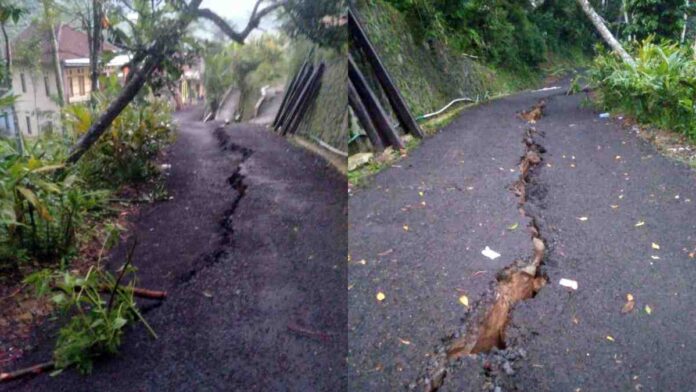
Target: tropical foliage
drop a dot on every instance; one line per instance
(125, 153)
(248, 67)
(40, 212)
(96, 324)
(660, 90)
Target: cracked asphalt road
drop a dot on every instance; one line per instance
(565, 334)
(256, 277)
(589, 166)
(463, 174)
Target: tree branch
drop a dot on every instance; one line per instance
(254, 20)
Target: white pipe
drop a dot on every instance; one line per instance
(463, 99)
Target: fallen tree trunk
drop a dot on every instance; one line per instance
(605, 33)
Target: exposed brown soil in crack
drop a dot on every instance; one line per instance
(485, 329)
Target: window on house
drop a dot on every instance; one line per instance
(47, 86)
(29, 125)
(82, 84)
(24, 82)
(71, 91)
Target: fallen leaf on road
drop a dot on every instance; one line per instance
(620, 196)
(571, 284)
(512, 226)
(617, 157)
(464, 300)
(629, 305)
(207, 294)
(655, 257)
(404, 341)
(405, 227)
(655, 246)
(583, 218)
(614, 206)
(490, 253)
(421, 194)
(362, 261)
(610, 338)
(386, 252)
(648, 309)
(381, 296)
(639, 224)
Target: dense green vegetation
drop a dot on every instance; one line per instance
(260, 61)
(504, 33)
(96, 325)
(660, 90)
(45, 208)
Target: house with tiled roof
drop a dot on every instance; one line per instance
(37, 103)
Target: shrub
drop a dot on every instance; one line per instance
(39, 215)
(95, 324)
(660, 90)
(125, 153)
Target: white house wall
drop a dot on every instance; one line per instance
(33, 99)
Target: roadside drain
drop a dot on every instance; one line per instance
(484, 329)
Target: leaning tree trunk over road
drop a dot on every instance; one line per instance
(605, 33)
(162, 47)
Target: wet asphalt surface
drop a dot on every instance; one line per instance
(565, 333)
(557, 341)
(254, 266)
(463, 173)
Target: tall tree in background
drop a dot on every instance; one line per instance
(663, 18)
(10, 13)
(95, 46)
(91, 16)
(51, 24)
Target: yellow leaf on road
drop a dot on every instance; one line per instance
(405, 227)
(381, 296)
(648, 309)
(628, 306)
(609, 338)
(464, 300)
(583, 218)
(421, 194)
(640, 223)
(655, 246)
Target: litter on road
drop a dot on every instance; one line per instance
(569, 283)
(490, 253)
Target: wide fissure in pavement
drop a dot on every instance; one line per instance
(519, 281)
